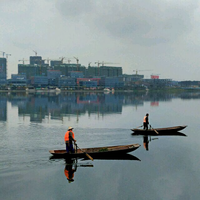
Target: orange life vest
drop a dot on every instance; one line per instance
(68, 174)
(67, 135)
(145, 120)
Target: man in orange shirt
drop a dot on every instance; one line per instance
(69, 138)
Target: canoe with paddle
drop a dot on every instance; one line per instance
(158, 131)
(96, 151)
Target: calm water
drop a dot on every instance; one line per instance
(33, 124)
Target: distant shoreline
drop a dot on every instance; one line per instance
(99, 91)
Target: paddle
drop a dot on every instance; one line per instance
(153, 129)
(139, 126)
(136, 128)
(85, 153)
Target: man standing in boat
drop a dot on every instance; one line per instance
(69, 138)
(146, 121)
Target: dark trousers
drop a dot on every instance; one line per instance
(69, 147)
(145, 126)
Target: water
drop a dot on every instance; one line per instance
(33, 124)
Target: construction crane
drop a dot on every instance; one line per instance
(62, 58)
(77, 60)
(23, 61)
(3, 53)
(98, 63)
(7, 55)
(35, 52)
(136, 71)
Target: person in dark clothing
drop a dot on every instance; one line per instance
(146, 121)
(69, 138)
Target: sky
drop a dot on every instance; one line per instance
(150, 36)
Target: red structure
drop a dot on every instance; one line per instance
(154, 77)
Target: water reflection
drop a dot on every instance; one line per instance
(56, 106)
(147, 139)
(72, 165)
(3, 108)
(115, 157)
(70, 169)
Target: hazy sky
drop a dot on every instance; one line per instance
(159, 37)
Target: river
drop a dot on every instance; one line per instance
(33, 124)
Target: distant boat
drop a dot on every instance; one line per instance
(49, 89)
(166, 131)
(53, 89)
(106, 90)
(96, 151)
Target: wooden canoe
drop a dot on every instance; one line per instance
(97, 151)
(167, 131)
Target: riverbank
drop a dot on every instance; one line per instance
(57, 91)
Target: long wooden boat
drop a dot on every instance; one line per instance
(97, 151)
(168, 130)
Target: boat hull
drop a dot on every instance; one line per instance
(96, 152)
(163, 131)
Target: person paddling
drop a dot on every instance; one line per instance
(146, 121)
(69, 137)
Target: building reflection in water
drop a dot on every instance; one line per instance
(56, 106)
(3, 108)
